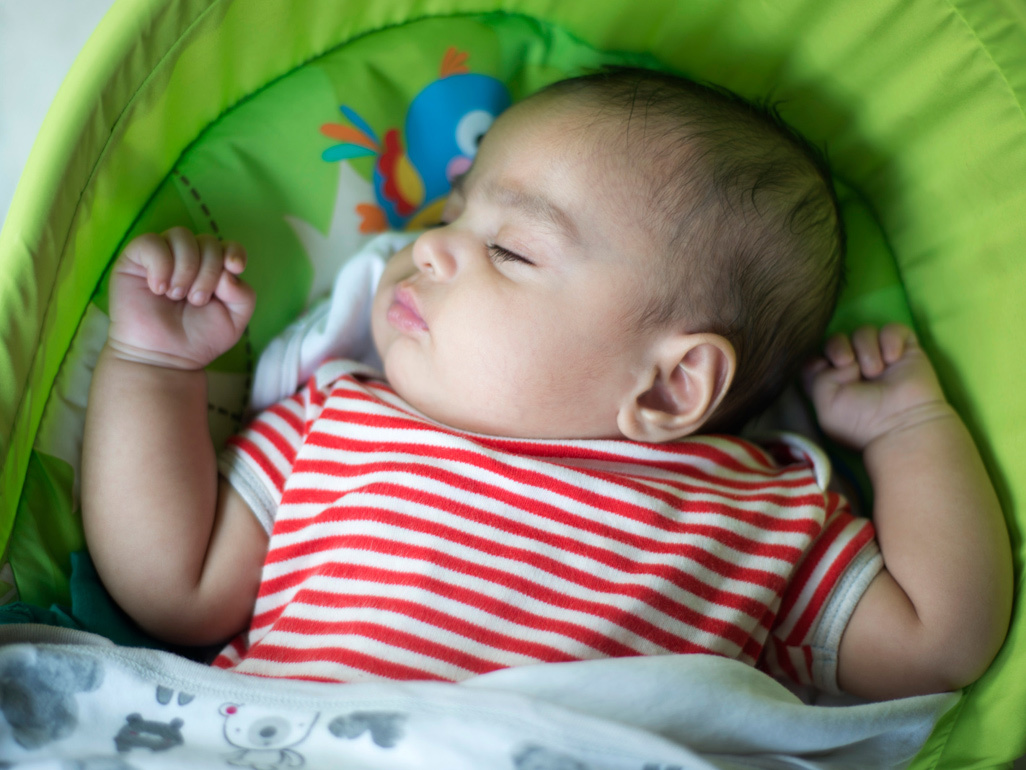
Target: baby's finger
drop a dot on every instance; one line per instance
(895, 339)
(866, 341)
(823, 381)
(209, 273)
(838, 350)
(150, 255)
(238, 298)
(234, 257)
(186, 251)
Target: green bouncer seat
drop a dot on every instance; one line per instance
(262, 121)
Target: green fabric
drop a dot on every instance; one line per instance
(919, 105)
(41, 562)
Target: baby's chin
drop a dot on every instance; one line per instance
(450, 414)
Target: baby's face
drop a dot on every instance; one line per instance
(514, 318)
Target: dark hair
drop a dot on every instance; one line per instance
(751, 204)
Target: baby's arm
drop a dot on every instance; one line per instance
(176, 547)
(937, 614)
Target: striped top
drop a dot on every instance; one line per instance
(403, 549)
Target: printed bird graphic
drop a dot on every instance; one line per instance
(443, 127)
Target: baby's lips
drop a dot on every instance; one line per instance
(404, 312)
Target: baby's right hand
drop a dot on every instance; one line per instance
(176, 299)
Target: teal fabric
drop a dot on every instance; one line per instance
(92, 610)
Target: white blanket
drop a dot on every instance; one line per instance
(73, 700)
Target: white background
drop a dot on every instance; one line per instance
(39, 40)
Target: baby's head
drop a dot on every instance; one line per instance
(630, 255)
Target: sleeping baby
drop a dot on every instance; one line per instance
(546, 465)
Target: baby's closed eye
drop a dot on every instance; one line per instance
(502, 254)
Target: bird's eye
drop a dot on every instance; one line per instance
(471, 129)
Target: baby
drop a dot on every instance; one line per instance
(633, 266)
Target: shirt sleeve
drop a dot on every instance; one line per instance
(258, 460)
(827, 584)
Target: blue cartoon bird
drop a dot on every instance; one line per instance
(444, 124)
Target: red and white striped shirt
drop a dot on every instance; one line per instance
(403, 549)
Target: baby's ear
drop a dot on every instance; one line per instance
(688, 378)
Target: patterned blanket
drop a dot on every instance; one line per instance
(74, 700)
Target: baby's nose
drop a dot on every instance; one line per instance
(434, 253)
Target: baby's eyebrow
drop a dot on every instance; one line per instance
(536, 205)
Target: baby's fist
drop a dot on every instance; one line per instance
(873, 383)
(176, 299)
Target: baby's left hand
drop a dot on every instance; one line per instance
(872, 384)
